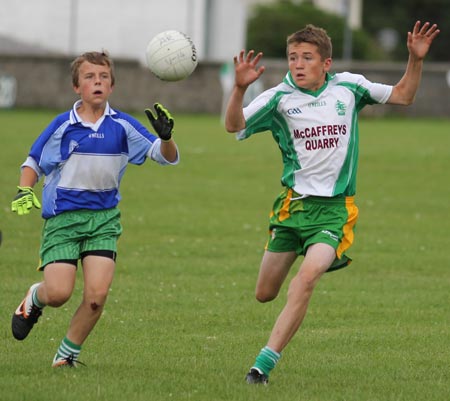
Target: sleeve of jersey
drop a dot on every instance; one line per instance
(366, 92)
(259, 114)
(45, 153)
(141, 143)
(155, 154)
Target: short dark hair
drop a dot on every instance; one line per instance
(98, 58)
(314, 35)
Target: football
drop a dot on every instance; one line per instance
(171, 56)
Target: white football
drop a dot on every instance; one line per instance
(171, 56)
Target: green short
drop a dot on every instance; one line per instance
(69, 234)
(296, 223)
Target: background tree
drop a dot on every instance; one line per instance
(269, 26)
(399, 17)
(383, 37)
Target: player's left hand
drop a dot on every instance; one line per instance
(162, 123)
(419, 41)
(24, 201)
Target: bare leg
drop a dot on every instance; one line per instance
(272, 273)
(98, 275)
(318, 259)
(54, 290)
(58, 284)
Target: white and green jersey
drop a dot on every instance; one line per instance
(317, 131)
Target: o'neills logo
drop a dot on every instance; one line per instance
(322, 136)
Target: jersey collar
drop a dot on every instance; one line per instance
(290, 81)
(75, 118)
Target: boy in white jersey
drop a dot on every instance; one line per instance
(313, 118)
(83, 154)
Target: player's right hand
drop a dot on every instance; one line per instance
(246, 69)
(24, 201)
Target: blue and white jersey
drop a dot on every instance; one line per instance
(83, 163)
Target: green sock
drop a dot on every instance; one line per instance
(68, 348)
(35, 299)
(266, 360)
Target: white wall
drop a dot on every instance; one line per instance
(124, 28)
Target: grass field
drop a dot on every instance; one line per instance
(181, 322)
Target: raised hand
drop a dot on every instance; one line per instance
(162, 122)
(420, 39)
(246, 68)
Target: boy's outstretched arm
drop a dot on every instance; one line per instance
(246, 72)
(418, 42)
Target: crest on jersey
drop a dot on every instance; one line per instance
(341, 108)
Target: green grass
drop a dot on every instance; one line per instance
(181, 322)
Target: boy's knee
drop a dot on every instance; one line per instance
(265, 296)
(95, 306)
(57, 298)
(96, 300)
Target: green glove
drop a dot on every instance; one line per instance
(162, 122)
(24, 201)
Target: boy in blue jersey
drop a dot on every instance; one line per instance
(312, 115)
(83, 155)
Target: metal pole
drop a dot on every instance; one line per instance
(207, 31)
(347, 46)
(73, 26)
